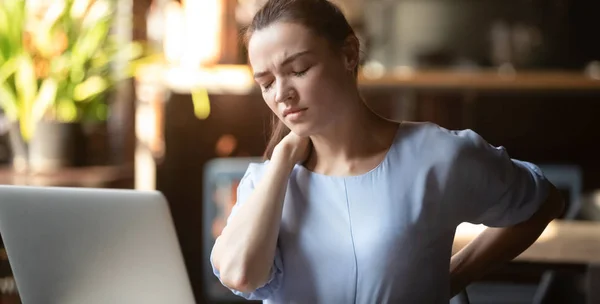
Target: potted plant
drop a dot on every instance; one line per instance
(56, 73)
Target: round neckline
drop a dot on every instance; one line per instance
(381, 164)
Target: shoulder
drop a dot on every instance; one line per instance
(436, 142)
(450, 153)
(249, 172)
(256, 170)
(258, 166)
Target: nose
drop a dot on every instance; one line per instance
(284, 92)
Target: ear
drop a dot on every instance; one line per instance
(351, 52)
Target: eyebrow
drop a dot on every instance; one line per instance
(284, 62)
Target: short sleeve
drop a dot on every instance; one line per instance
(488, 187)
(245, 188)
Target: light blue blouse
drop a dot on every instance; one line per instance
(386, 236)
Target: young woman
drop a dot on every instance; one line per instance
(353, 208)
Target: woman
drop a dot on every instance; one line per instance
(353, 208)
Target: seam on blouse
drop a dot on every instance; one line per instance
(353, 245)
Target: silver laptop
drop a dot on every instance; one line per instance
(81, 245)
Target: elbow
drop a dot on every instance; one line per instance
(237, 275)
(236, 280)
(229, 276)
(554, 206)
(240, 279)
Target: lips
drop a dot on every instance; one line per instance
(287, 112)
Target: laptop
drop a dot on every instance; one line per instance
(82, 245)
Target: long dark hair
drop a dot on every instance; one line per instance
(320, 16)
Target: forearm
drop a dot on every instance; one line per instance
(492, 248)
(244, 252)
(496, 246)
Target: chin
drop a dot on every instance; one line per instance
(301, 130)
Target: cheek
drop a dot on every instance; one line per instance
(319, 89)
(269, 99)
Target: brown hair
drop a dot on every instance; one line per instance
(320, 16)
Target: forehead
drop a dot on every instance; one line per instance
(273, 44)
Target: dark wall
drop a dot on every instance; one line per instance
(545, 128)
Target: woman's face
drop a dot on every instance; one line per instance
(302, 79)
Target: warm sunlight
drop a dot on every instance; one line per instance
(233, 79)
(469, 231)
(193, 32)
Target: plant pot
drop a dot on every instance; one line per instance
(19, 148)
(56, 145)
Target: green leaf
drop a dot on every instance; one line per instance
(8, 98)
(66, 111)
(97, 13)
(7, 69)
(25, 81)
(26, 85)
(78, 8)
(44, 41)
(85, 48)
(4, 32)
(11, 27)
(90, 88)
(79, 77)
(94, 32)
(8, 102)
(59, 67)
(45, 98)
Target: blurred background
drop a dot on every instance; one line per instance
(157, 94)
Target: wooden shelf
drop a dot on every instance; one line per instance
(484, 80)
(237, 79)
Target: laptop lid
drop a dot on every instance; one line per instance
(81, 245)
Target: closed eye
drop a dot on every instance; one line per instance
(301, 73)
(267, 86)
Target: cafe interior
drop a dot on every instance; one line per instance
(179, 112)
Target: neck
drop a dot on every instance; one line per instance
(359, 135)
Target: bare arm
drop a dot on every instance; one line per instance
(496, 246)
(244, 253)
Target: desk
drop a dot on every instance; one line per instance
(93, 177)
(563, 242)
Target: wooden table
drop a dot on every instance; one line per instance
(562, 243)
(93, 177)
